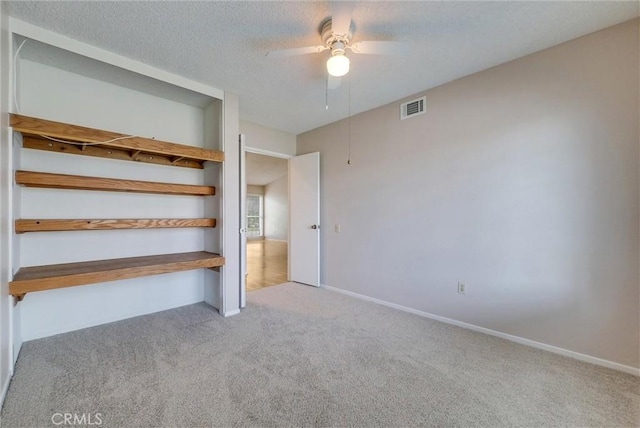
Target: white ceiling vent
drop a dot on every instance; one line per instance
(412, 108)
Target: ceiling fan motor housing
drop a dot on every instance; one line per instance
(330, 39)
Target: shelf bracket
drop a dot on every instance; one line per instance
(18, 298)
(135, 155)
(176, 160)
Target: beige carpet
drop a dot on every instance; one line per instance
(300, 356)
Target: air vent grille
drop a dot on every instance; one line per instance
(412, 108)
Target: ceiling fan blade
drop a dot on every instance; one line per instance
(283, 53)
(333, 82)
(379, 48)
(341, 12)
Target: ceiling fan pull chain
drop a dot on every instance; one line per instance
(326, 93)
(349, 116)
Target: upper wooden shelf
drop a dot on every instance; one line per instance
(108, 144)
(40, 278)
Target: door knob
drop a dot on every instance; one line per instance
(315, 226)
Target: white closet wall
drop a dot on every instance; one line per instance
(51, 93)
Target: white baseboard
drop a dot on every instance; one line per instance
(211, 303)
(230, 313)
(3, 392)
(17, 347)
(561, 351)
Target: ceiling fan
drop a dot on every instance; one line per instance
(337, 37)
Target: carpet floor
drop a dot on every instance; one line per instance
(301, 356)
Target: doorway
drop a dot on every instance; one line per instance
(267, 220)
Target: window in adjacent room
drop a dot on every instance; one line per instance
(255, 217)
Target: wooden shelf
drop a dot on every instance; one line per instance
(78, 182)
(38, 134)
(108, 144)
(41, 225)
(38, 143)
(40, 278)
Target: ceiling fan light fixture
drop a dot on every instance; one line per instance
(338, 64)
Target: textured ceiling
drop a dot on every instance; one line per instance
(223, 44)
(262, 170)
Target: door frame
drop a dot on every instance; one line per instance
(254, 150)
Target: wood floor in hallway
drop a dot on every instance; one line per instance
(266, 263)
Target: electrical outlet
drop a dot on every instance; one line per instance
(462, 288)
(337, 228)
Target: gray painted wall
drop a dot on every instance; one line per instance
(276, 209)
(521, 181)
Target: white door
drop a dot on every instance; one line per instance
(243, 225)
(304, 232)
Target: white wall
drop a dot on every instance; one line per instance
(16, 204)
(6, 363)
(255, 190)
(522, 181)
(230, 299)
(213, 205)
(59, 95)
(264, 139)
(276, 209)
